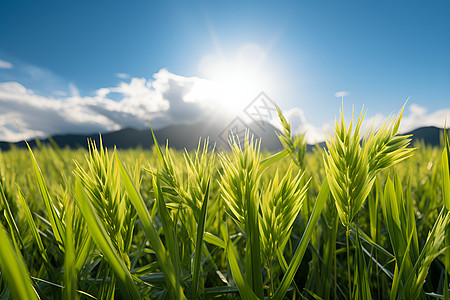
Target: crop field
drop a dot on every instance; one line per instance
(365, 218)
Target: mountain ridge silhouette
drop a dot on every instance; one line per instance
(187, 137)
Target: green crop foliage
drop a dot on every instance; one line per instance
(367, 217)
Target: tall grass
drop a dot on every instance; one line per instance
(365, 218)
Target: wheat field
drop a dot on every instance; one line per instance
(365, 218)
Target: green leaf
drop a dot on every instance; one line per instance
(301, 248)
(70, 273)
(244, 289)
(169, 229)
(34, 230)
(15, 234)
(273, 159)
(214, 240)
(199, 244)
(14, 270)
(445, 179)
(398, 273)
(152, 235)
(99, 234)
(52, 212)
(253, 253)
(413, 285)
(221, 290)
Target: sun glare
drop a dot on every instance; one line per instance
(238, 79)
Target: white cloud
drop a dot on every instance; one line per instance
(415, 116)
(122, 75)
(166, 99)
(40, 116)
(300, 125)
(74, 90)
(419, 116)
(342, 94)
(5, 65)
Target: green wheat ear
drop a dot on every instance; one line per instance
(294, 144)
(240, 178)
(281, 202)
(351, 166)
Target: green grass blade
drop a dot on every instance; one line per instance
(446, 262)
(273, 159)
(253, 253)
(301, 248)
(446, 195)
(198, 245)
(315, 296)
(363, 236)
(413, 275)
(168, 227)
(411, 222)
(284, 266)
(33, 228)
(398, 274)
(244, 289)
(373, 213)
(15, 234)
(445, 179)
(446, 141)
(103, 241)
(14, 270)
(83, 253)
(70, 274)
(220, 291)
(445, 296)
(158, 149)
(52, 212)
(150, 231)
(214, 240)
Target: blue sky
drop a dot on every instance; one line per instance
(103, 65)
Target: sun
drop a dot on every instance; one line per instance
(239, 79)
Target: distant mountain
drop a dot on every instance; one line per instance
(178, 137)
(187, 136)
(429, 135)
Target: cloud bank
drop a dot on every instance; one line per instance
(5, 65)
(415, 116)
(166, 99)
(300, 125)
